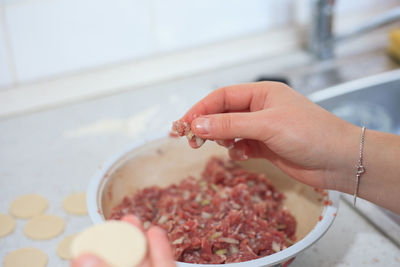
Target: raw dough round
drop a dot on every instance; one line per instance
(44, 227)
(7, 224)
(118, 243)
(23, 257)
(76, 204)
(27, 206)
(64, 247)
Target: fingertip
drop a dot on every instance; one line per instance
(160, 249)
(190, 116)
(134, 220)
(193, 144)
(157, 231)
(88, 260)
(228, 143)
(196, 142)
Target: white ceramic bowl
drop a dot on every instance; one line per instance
(163, 161)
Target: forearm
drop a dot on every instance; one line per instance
(380, 183)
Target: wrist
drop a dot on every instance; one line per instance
(346, 156)
(380, 182)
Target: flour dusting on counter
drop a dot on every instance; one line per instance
(132, 126)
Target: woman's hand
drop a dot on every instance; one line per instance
(270, 120)
(159, 252)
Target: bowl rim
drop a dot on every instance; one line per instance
(328, 213)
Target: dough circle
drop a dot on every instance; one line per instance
(7, 224)
(43, 227)
(24, 257)
(64, 247)
(27, 206)
(76, 204)
(118, 243)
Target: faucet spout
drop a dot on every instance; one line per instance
(320, 34)
(321, 37)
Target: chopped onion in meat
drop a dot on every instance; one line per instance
(162, 219)
(275, 246)
(206, 215)
(178, 241)
(221, 251)
(215, 235)
(146, 225)
(229, 240)
(233, 249)
(205, 202)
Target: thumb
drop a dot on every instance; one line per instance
(88, 260)
(248, 125)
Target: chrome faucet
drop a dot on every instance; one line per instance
(321, 38)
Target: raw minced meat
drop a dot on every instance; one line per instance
(182, 128)
(229, 215)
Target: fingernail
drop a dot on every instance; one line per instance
(202, 125)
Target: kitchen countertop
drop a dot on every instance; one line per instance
(56, 152)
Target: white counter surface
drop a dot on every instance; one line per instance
(56, 152)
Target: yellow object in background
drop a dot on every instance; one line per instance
(394, 44)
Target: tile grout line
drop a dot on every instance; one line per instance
(10, 56)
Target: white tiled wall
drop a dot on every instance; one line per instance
(52, 37)
(181, 24)
(5, 71)
(55, 37)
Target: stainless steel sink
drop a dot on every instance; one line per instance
(375, 103)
